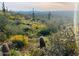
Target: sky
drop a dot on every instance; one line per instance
(42, 6)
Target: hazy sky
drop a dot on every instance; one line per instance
(44, 6)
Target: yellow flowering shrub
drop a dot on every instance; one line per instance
(11, 17)
(20, 17)
(22, 38)
(38, 26)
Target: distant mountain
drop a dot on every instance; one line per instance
(54, 13)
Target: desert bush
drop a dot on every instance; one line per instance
(11, 17)
(44, 32)
(19, 41)
(38, 52)
(26, 54)
(37, 25)
(14, 52)
(62, 44)
(3, 21)
(17, 22)
(3, 37)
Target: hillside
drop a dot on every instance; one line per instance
(25, 34)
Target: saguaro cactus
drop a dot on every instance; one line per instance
(49, 15)
(33, 15)
(3, 7)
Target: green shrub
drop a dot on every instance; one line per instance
(44, 32)
(3, 37)
(38, 52)
(3, 21)
(18, 44)
(13, 52)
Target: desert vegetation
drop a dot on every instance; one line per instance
(32, 35)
